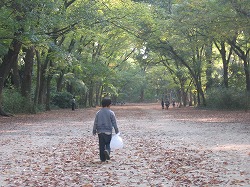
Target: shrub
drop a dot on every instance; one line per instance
(62, 99)
(227, 98)
(14, 103)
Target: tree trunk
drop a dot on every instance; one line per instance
(209, 70)
(42, 88)
(100, 95)
(38, 78)
(91, 92)
(48, 85)
(225, 60)
(247, 75)
(184, 98)
(27, 74)
(200, 93)
(47, 102)
(195, 98)
(8, 60)
(192, 73)
(244, 56)
(59, 82)
(16, 76)
(43, 78)
(190, 98)
(142, 95)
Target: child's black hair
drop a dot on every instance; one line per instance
(106, 102)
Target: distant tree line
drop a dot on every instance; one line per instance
(196, 52)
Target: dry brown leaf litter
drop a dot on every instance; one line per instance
(178, 147)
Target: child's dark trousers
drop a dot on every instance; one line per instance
(104, 144)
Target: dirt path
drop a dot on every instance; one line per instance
(175, 147)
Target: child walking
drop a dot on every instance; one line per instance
(104, 123)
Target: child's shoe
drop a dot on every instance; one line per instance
(106, 153)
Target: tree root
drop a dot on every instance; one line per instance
(2, 113)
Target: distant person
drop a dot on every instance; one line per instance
(167, 103)
(173, 103)
(162, 104)
(73, 103)
(104, 123)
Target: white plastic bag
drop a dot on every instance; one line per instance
(116, 142)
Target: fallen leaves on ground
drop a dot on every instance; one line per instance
(67, 154)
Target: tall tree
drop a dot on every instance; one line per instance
(8, 60)
(27, 73)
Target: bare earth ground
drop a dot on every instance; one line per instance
(175, 147)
